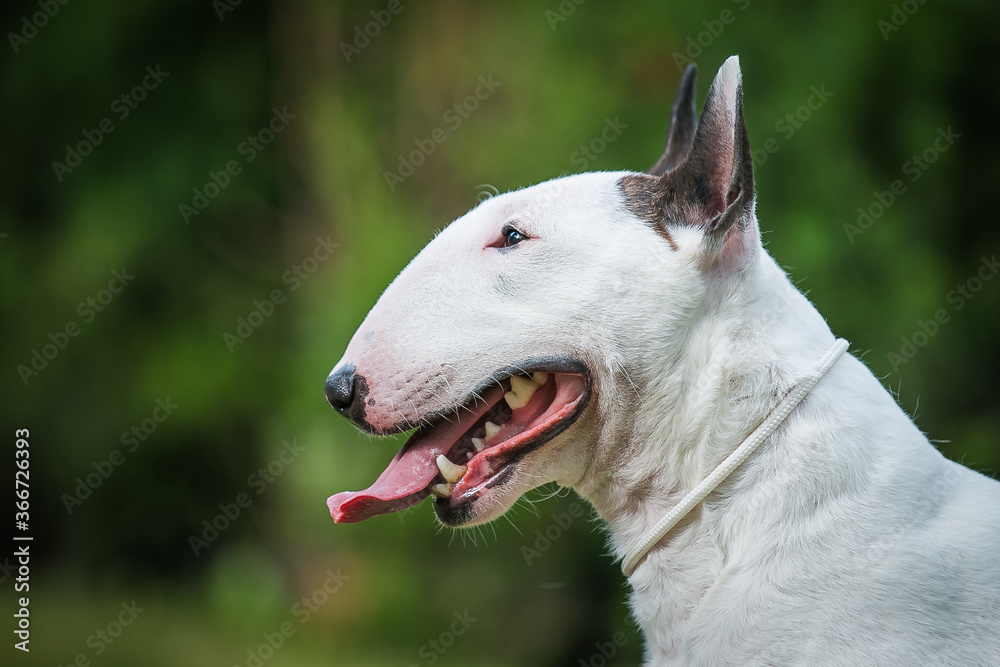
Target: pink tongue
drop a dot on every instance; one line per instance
(404, 482)
(401, 485)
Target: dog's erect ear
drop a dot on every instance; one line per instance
(683, 121)
(714, 185)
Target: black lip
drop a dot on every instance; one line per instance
(534, 364)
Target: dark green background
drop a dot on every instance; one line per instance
(162, 336)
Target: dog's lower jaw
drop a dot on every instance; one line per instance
(560, 460)
(454, 515)
(482, 508)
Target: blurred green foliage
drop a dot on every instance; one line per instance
(357, 109)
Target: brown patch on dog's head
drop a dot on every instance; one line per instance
(643, 200)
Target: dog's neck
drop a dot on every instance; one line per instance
(731, 373)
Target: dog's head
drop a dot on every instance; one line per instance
(510, 341)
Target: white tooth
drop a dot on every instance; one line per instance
(521, 390)
(468, 456)
(540, 378)
(515, 401)
(491, 430)
(478, 444)
(441, 490)
(523, 386)
(449, 470)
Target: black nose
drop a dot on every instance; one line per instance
(347, 391)
(340, 390)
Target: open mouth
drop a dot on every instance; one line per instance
(472, 448)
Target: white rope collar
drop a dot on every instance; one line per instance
(738, 456)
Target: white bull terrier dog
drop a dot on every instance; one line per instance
(627, 335)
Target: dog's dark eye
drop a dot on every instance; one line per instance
(511, 236)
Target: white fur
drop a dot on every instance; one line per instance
(847, 539)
